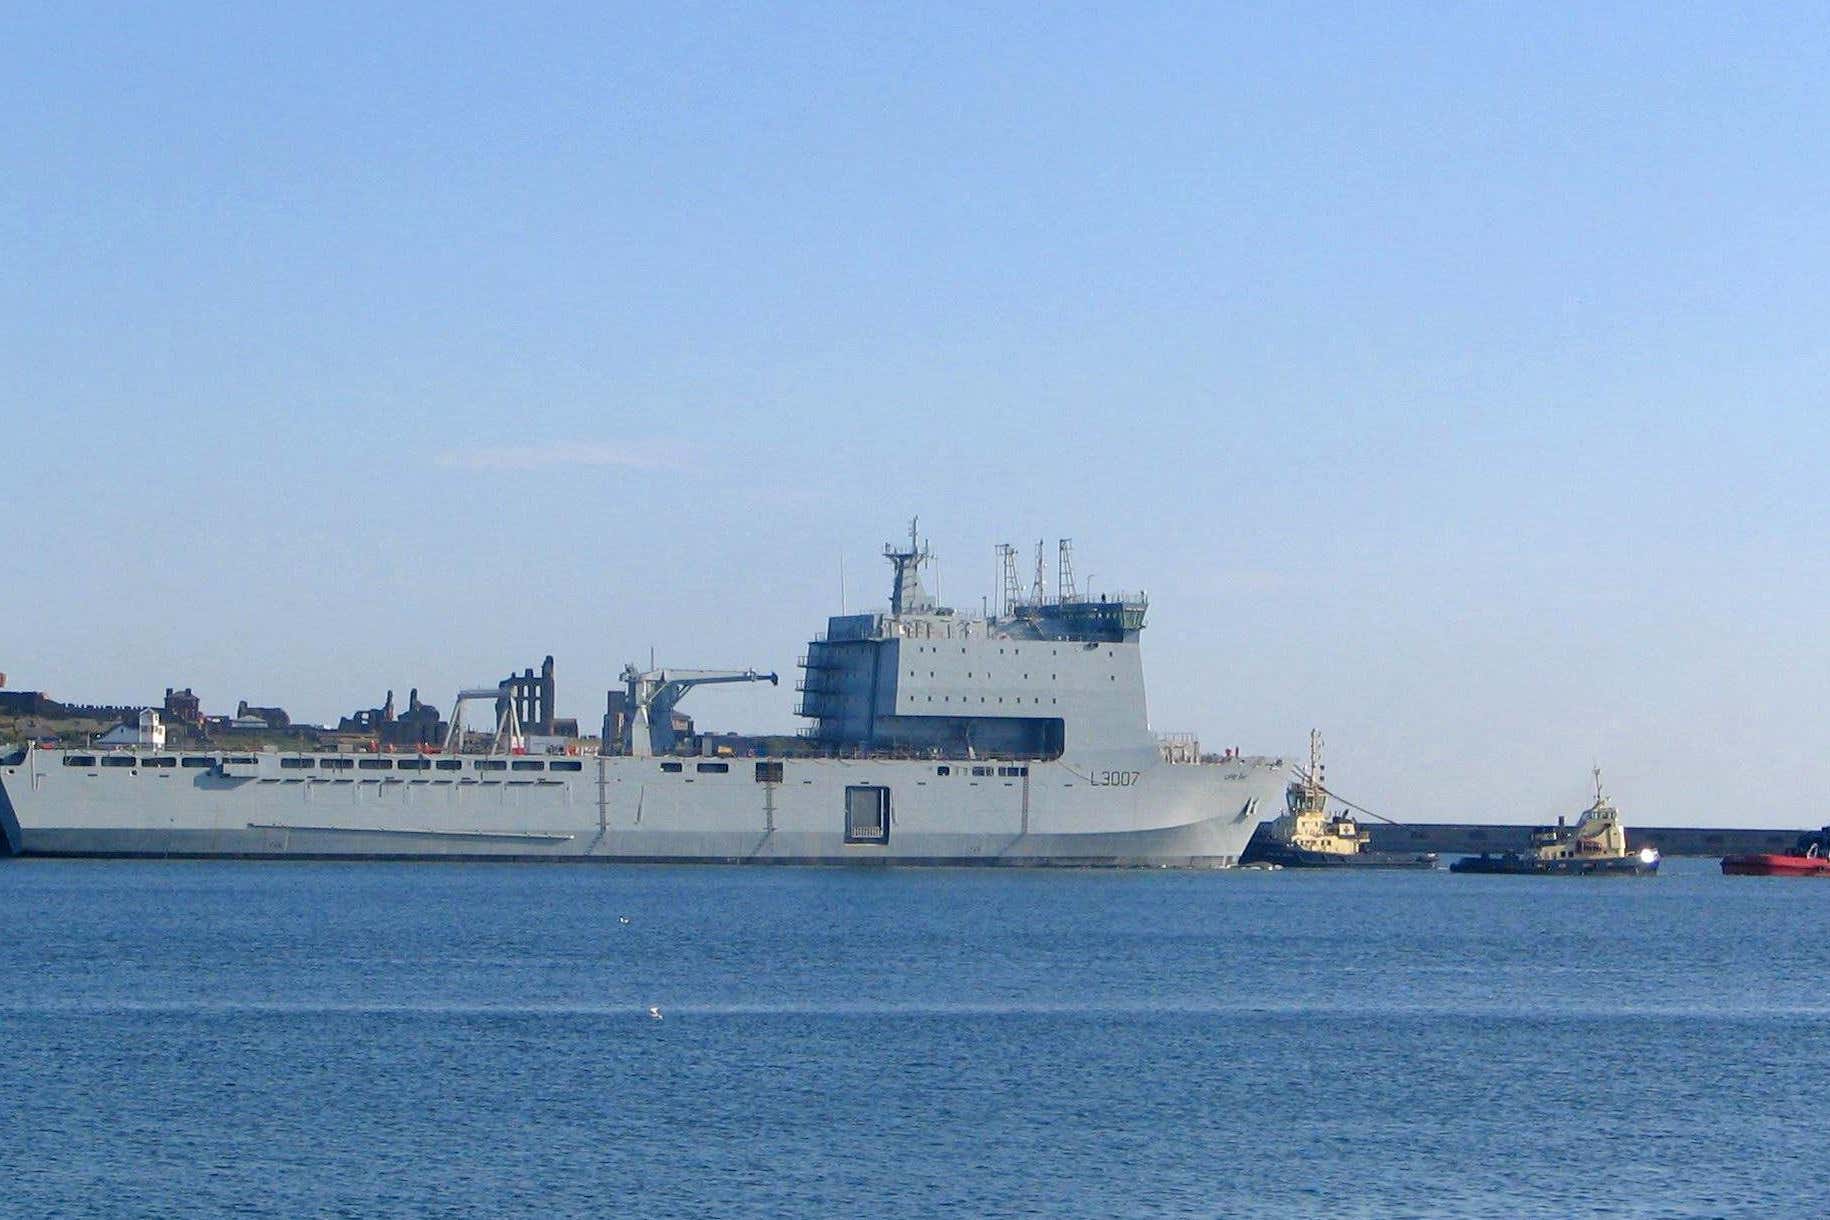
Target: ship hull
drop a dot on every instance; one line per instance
(1766, 865)
(1511, 865)
(1295, 857)
(1150, 814)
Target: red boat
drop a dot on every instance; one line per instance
(1809, 858)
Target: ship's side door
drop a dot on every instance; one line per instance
(867, 814)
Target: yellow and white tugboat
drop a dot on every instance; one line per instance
(1596, 846)
(1308, 836)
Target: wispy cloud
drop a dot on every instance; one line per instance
(640, 455)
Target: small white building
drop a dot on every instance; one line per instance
(149, 732)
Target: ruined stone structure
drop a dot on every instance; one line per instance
(418, 726)
(368, 720)
(533, 699)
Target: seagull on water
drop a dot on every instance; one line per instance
(654, 1012)
(622, 919)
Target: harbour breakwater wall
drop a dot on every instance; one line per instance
(1469, 838)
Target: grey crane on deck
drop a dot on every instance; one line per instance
(649, 727)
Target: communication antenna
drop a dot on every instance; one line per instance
(1036, 594)
(1064, 573)
(908, 597)
(1007, 563)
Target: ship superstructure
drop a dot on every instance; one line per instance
(1015, 736)
(1043, 678)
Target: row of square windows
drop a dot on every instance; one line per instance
(1051, 677)
(200, 762)
(1015, 652)
(982, 699)
(770, 771)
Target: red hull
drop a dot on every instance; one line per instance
(1775, 866)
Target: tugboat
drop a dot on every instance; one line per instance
(1308, 836)
(1809, 857)
(1596, 846)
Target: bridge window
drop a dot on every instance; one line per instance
(117, 760)
(79, 760)
(943, 770)
(769, 772)
(713, 768)
(528, 764)
(492, 764)
(286, 764)
(337, 764)
(415, 764)
(158, 762)
(449, 764)
(672, 767)
(568, 764)
(376, 764)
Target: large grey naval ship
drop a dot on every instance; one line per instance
(1017, 736)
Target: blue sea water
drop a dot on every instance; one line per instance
(291, 1039)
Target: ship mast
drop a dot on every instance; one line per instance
(907, 595)
(1315, 793)
(1601, 797)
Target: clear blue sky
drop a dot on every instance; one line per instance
(1453, 377)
